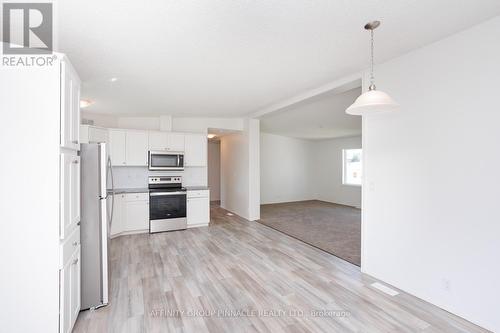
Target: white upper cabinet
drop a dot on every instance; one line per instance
(70, 107)
(69, 193)
(130, 147)
(136, 148)
(117, 147)
(195, 150)
(166, 141)
(175, 141)
(158, 140)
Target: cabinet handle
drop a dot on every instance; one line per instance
(75, 142)
(75, 261)
(75, 243)
(78, 223)
(75, 162)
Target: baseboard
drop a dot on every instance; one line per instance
(126, 233)
(198, 225)
(297, 201)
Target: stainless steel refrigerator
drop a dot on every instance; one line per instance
(94, 226)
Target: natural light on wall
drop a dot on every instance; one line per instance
(352, 166)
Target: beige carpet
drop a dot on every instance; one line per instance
(332, 228)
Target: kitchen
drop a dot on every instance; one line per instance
(152, 181)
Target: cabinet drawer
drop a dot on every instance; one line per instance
(198, 194)
(69, 246)
(136, 197)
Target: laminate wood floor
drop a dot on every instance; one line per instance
(240, 276)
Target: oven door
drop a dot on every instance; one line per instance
(165, 161)
(167, 211)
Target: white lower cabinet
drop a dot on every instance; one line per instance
(70, 282)
(130, 213)
(198, 208)
(115, 202)
(136, 212)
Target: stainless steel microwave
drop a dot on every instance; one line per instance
(165, 160)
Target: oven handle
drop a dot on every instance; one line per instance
(156, 194)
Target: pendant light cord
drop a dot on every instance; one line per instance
(372, 76)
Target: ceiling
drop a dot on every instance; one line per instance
(235, 57)
(320, 118)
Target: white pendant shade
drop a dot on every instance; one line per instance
(372, 101)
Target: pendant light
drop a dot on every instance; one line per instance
(372, 101)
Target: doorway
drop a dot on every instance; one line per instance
(311, 170)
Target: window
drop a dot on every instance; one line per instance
(352, 161)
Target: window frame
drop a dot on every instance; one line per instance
(344, 167)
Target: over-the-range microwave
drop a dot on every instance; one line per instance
(165, 160)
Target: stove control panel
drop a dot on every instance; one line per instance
(164, 180)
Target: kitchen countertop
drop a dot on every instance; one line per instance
(146, 190)
(197, 188)
(130, 190)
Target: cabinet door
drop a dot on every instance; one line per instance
(117, 222)
(69, 293)
(75, 191)
(136, 215)
(198, 211)
(137, 148)
(75, 277)
(157, 140)
(97, 135)
(175, 142)
(117, 147)
(69, 193)
(70, 107)
(195, 152)
(65, 298)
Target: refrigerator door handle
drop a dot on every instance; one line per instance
(112, 193)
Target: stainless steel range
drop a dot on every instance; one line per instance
(167, 204)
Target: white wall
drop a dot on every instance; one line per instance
(140, 123)
(201, 124)
(286, 169)
(103, 120)
(431, 193)
(328, 172)
(166, 122)
(234, 173)
(240, 171)
(29, 219)
(214, 169)
(297, 169)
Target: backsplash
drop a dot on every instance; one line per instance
(137, 177)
